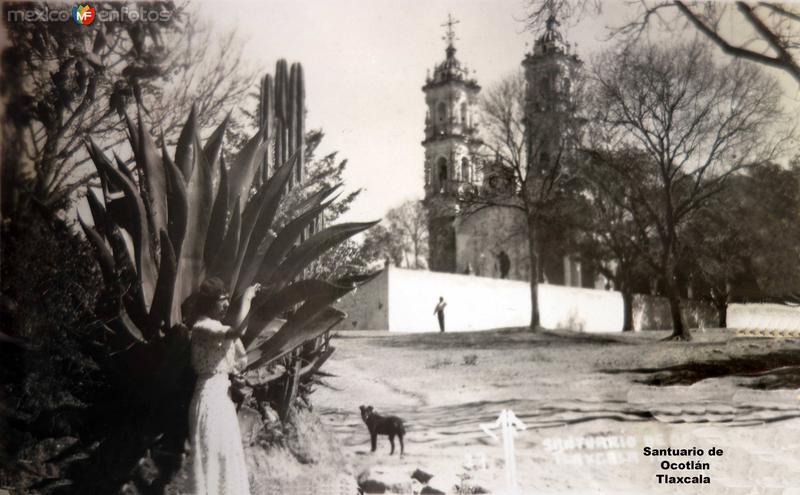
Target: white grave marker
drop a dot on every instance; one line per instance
(509, 423)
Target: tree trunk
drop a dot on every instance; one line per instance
(533, 252)
(627, 310)
(680, 331)
(722, 310)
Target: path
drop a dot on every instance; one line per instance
(585, 428)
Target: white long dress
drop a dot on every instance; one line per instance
(218, 463)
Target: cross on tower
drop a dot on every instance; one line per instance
(450, 35)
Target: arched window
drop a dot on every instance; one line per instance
(465, 175)
(441, 168)
(441, 113)
(464, 114)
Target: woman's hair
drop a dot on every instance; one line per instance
(204, 300)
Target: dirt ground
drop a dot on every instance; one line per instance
(590, 404)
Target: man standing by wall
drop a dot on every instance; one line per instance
(439, 312)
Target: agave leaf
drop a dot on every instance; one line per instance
(106, 185)
(357, 279)
(185, 150)
(266, 307)
(300, 257)
(200, 197)
(214, 143)
(308, 323)
(317, 362)
(317, 198)
(162, 308)
(252, 205)
(139, 232)
(269, 261)
(120, 213)
(251, 263)
(132, 296)
(133, 134)
(124, 323)
(99, 214)
(264, 333)
(254, 233)
(177, 203)
(225, 260)
(216, 225)
(123, 253)
(103, 253)
(155, 179)
(123, 168)
(243, 169)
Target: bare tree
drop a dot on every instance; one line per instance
(697, 123)
(63, 82)
(613, 225)
(530, 133)
(764, 32)
(408, 223)
(206, 70)
(381, 245)
(401, 239)
(538, 11)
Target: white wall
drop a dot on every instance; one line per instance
(475, 303)
(583, 310)
(763, 317)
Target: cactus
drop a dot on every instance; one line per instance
(187, 218)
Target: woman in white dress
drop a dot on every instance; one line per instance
(218, 462)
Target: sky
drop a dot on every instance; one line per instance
(365, 62)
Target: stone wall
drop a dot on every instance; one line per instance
(367, 307)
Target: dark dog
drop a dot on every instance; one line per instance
(383, 425)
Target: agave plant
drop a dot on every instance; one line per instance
(159, 231)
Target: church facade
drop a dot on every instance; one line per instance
(492, 241)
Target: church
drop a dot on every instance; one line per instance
(492, 241)
(478, 258)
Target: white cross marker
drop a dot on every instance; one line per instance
(509, 424)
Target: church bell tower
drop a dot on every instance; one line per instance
(551, 68)
(450, 144)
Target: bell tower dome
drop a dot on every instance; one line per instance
(451, 140)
